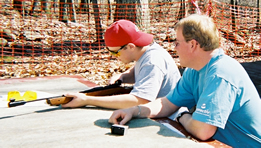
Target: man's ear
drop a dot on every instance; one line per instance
(193, 45)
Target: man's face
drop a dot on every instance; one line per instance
(182, 47)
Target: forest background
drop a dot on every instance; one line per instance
(45, 38)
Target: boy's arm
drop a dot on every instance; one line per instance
(113, 102)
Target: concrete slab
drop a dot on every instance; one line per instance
(37, 124)
(52, 84)
(47, 126)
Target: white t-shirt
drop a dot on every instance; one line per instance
(156, 73)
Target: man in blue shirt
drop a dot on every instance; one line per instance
(227, 102)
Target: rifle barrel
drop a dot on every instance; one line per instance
(14, 103)
(56, 100)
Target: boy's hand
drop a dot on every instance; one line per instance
(77, 101)
(114, 78)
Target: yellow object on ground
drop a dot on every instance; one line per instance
(28, 96)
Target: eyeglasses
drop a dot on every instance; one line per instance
(176, 42)
(27, 96)
(116, 53)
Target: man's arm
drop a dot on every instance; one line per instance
(113, 102)
(200, 130)
(161, 107)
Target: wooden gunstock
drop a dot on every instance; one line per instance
(59, 100)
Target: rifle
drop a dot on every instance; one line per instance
(112, 89)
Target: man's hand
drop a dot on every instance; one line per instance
(122, 116)
(79, 100)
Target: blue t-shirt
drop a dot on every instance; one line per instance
(225, 97)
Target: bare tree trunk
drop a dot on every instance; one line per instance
(34, 3)
(45, 6)
(62, 11)
(99, 31)
(234, 14)
(125, 9)
(189, 7)
(72, 11)
(18, 5)
(143, 14)
(55, 5)
(208, 8)
(85, 7)
(182, 10)
(258, 14)
(136, 11)
(109, 10)
(64, 15)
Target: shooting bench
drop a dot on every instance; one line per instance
(42, 125)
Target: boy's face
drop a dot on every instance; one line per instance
(115, 53)
(121, 53)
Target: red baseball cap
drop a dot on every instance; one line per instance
(123, 32)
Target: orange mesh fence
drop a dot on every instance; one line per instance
(239, 27)
(55, 34)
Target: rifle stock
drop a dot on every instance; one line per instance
(58, 100)
(112, 89)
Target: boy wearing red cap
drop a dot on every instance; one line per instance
(154, 73)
